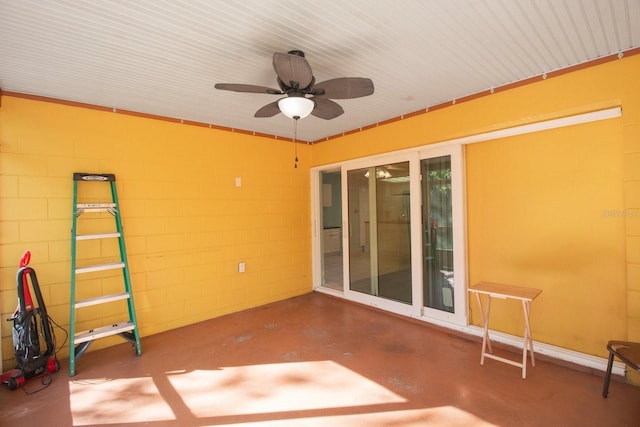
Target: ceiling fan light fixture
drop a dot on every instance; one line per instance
(296, 107)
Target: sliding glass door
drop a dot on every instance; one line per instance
(402, 232)
(330, 213)
(444, 295)
(437, 223)
(379, 220)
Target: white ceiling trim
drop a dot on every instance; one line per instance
(163, 57)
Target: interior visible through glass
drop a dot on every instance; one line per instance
(379, 226)
(437, 233)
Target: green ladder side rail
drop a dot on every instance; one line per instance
(127, 329)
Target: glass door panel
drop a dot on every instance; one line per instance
(331, 230)
(360, 267)
(437, 236)
(380, 238)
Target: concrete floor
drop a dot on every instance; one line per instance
(315, 361)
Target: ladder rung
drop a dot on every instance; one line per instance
(100, 267)
(101, 299)
(97, 236)
(95, 207)
(104, 331)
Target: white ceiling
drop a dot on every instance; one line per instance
(163, 57)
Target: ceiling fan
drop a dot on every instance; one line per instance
(302, 95)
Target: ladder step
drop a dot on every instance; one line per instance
(104, 331)
(100, 267)
(101, 299)
(97, 236)
(95, 207)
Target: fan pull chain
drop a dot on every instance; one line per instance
(295, 137)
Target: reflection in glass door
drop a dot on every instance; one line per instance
(438, 280)
(379, 227)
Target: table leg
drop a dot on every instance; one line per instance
(486, 342)
(528, 339)
(528, 325)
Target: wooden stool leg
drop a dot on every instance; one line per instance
(607, 376)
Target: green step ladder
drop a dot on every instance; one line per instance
(128, 328)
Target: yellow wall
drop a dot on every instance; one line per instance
(543, 212)
(186, 224)
(558, 210)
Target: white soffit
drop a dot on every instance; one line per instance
(163, 57)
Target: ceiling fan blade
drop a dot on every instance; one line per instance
(293, 70)
(326, 109)
(247, 88)
(345, 87)
(268, 110)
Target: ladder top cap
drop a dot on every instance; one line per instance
(83, 176)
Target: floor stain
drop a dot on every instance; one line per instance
(399, 383)
(241, 338)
